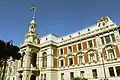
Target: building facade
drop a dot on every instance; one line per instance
(93, 53)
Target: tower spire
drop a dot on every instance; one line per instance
(34, 11)
(32, 36)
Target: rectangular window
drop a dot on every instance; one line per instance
(107, 38)
(44, 76)
(70, 49)
(61, 63)
(81, 73)
(113, 37)
(94, 72)
(80, 59)
(70, 61)
(111, 71)
(90, 44)
(79, 46)
(41, 76)
(71, 75)
(118, 70)
(62, 76)
(61, 51)
(102, 39)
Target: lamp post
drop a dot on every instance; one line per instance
(103, 66)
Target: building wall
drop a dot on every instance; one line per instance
(64, 55)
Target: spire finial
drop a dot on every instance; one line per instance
(34, 10)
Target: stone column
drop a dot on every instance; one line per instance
(19, 63)
(27, 60)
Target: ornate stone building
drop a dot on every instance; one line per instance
(93, 53)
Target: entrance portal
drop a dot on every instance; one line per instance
(33, 77)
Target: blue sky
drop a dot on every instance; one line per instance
(60, 17)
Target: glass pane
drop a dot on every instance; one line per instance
(71, 75)
(90, 43)
(118, 70)
(70, 61)
(79, 46)
(80, 59)
(111, 54)
(94, 71)
(107, 38)
(61, 63)
(111, 71)
(113, 37)
(102, 41)
(61, 51)
(69, 49)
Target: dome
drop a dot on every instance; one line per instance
(33, 22)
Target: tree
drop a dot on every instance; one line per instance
(79, 78)
(8, 50)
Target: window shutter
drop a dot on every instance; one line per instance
(117, 51)
(74, 48)
(97, 56)
(65, 50)
(84, 44)
(94, 42)
(75, 60)
(86, 57)
(104, 53)
(66, 61)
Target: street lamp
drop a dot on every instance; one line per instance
(103, 66)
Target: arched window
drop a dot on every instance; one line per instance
(33, 61)
(33, 77)
(92, 56)
(20, 77)
(44, 60)
(110, 52)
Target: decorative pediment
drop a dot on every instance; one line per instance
(90, 51)
(110, 46)
(61, 57)
(70, 55)
(103, 21)
(80, 53)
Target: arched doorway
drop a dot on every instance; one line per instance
(20, 77)
(33, 77)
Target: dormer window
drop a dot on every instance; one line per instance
(88, 29)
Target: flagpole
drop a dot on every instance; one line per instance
(34, 13)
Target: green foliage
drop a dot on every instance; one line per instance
(7, 50)
(79, 78)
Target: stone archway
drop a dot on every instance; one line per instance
(33, 77)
